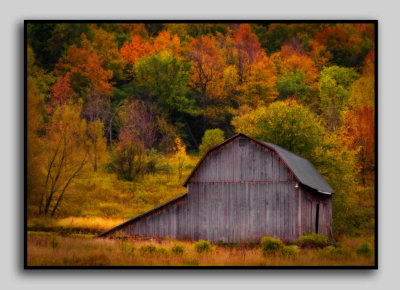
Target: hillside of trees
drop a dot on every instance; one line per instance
(119, 113)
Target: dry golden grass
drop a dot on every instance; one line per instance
(74, 224)
(99, 223)
(52, 250)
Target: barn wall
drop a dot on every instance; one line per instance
(228, 212)
(238, 194)
(309, 201)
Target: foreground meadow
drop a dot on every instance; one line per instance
(48, 249)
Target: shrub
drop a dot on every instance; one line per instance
(290, 252)
(251, 245)
(313, 241)
(364, 250)
(271, 246)
(333, 252)
(203, 246)
(162, 251)
(177, 250)
(150, 249)
(220, 243)
(229, 245)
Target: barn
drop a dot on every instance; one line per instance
(241, 190)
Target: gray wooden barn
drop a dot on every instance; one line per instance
(241, 190)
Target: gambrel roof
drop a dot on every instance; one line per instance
(303, 169)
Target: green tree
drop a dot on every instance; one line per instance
(163, 78)
(285, 123)
(292, 85)
(211, 138)
(334, 92)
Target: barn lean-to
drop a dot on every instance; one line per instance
(241, 190)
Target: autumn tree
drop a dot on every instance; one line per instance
(66, 156)
(347, 43)
(248, 50)
(60, 93)
(359, 120)
(138, 132)
(136, 48)
(207, 79)
(168, 42)
(106, 46)
(86, 72)
(35, 129)
(259, 87)
(180, 158)
(139, 123)
(96, 144)
(297, 75)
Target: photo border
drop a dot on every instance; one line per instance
(373, 267)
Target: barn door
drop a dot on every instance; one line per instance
(317, 218)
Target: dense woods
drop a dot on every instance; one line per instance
(119, 113)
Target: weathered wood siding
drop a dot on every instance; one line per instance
(239, 193)
(249, 163)
(309, 201)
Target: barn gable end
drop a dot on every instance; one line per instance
(241, 160)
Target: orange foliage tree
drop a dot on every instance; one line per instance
(135, 49)
(60, 93)
(85, 69)
(166, 41)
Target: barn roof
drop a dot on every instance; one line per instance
(301, 167)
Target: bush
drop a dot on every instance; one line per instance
(177, 250)
(150, 249)
(290, 252)
(203, 246)
(333, 252)
(313, 241)
(364, 250)
(162, 251)
(271, 246)
(220, 243)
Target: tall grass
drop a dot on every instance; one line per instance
(70, 225)
(46, 249)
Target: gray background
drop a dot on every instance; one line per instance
(11, 144)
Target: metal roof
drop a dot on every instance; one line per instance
(303, 169)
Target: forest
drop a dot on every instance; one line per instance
(118, 114)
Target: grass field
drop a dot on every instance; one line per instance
(48, 249)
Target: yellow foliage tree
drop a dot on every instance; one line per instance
(65, 154)
(180, 158)
(97, 147)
